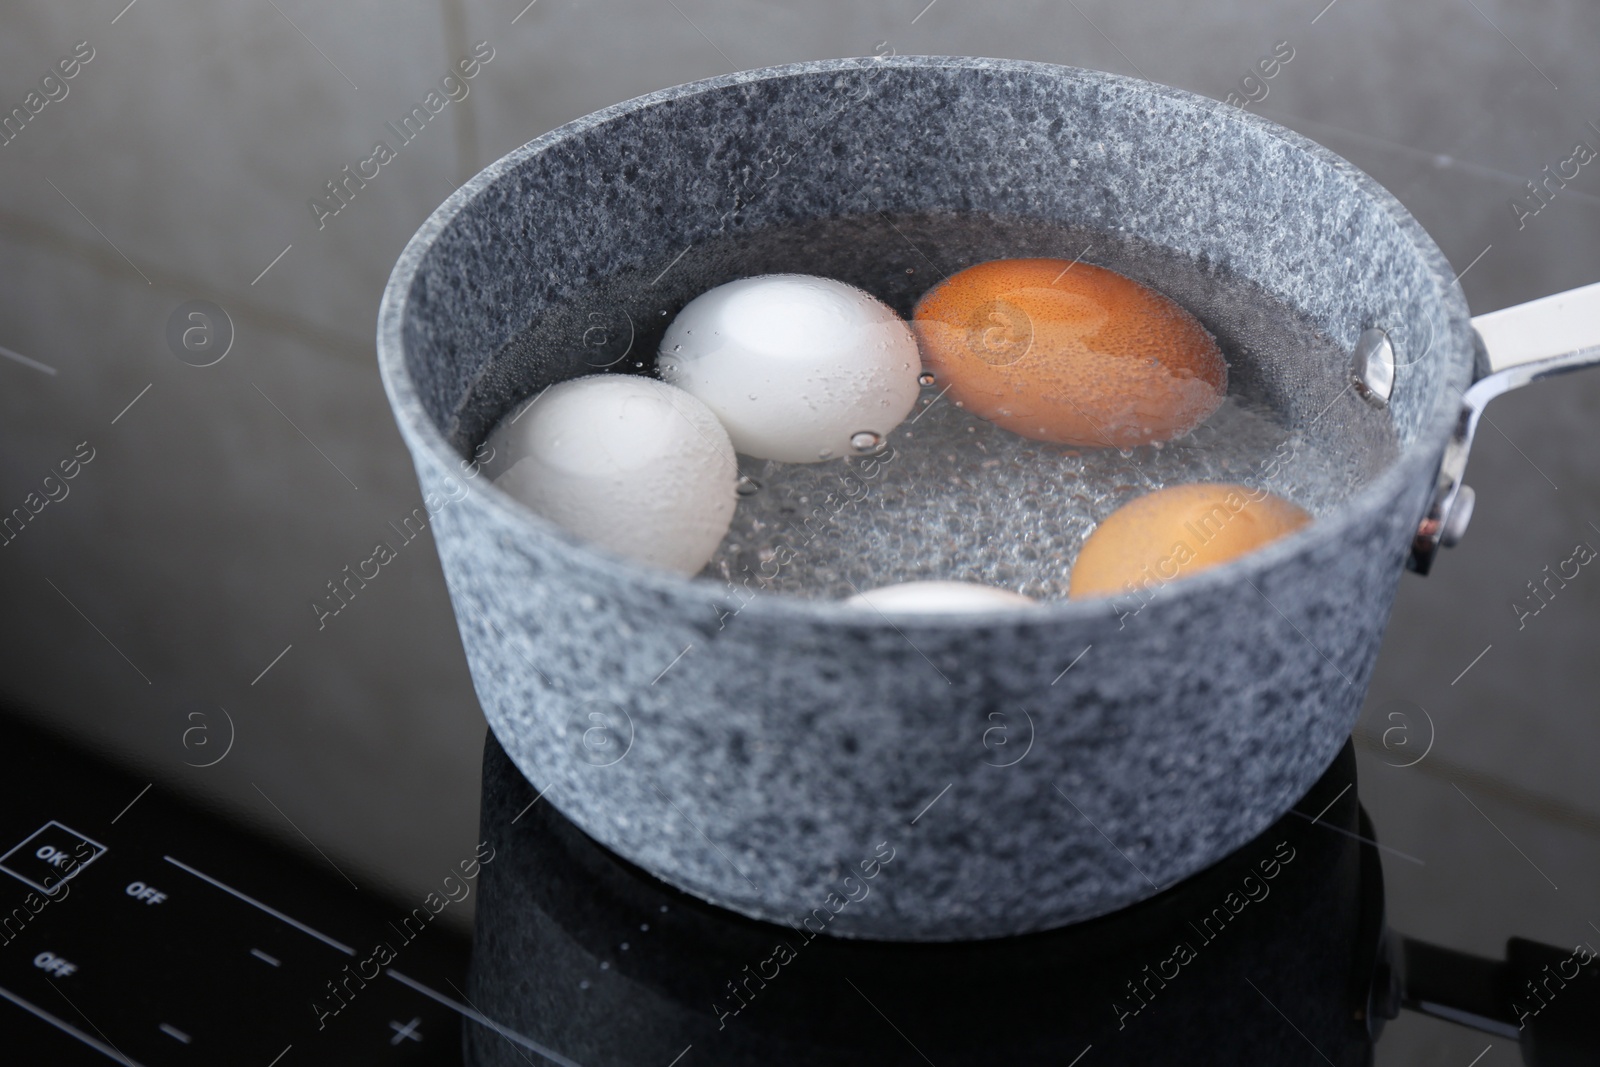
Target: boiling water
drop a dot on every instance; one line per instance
(948, 495)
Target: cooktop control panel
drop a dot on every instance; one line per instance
(136, 930)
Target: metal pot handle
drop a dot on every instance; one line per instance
(1517, 345)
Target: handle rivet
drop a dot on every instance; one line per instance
(1372, 366)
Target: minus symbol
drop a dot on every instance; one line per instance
(173, 1031)
(263, 957)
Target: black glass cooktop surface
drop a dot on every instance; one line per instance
(138, 930)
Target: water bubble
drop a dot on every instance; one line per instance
(866, 441)
(746, 486)
(824, 454)
(925, 378)
(677, 348)
(663, 313)
(911, 270)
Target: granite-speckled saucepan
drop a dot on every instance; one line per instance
(799, 761)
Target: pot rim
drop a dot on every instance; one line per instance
(1416, 464)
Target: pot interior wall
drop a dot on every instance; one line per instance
(576, 255)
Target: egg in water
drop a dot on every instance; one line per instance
(1176, 531)
(627, 463)
(938, 598)
(799, 369)
(1067, 352)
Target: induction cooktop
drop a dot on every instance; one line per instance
(137, 929)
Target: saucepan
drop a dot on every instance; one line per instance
(939, 776)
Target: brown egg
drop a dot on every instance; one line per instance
(1177, 531)
(1068, 352)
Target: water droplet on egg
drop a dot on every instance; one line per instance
(925, 379)
(865, 441)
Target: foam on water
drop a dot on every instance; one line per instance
(952, 496)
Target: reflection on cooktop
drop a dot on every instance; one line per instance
(1279, 954)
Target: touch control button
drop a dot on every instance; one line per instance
(147, 893)
(50, 856)
(56, 965)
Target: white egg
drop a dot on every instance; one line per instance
(799, 369)
(954, 598)
(628, 463)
